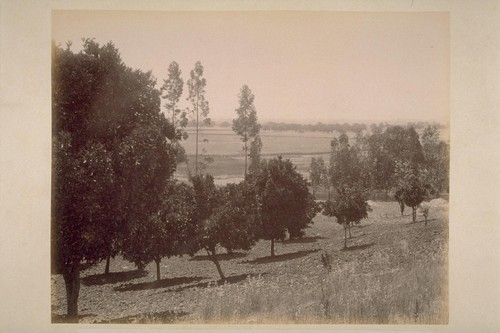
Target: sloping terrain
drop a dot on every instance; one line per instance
(390, 264)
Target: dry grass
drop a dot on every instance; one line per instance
(417, 296)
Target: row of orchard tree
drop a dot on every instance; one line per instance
(397, 161)
(114, 155)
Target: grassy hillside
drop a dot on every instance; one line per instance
(393, 272)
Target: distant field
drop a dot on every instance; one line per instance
(225, 147)
(223, 141)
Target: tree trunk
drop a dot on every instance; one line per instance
(414, 213)
(173, 115)
(272, 247)
(158, 275)
(196, 158)
(345, 236)
(213, 257)
(246, 155)
(425, 220)
(108, 260)
(349, 227)
(72, 281)
(401, 206)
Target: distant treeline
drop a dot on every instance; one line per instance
(333, 127)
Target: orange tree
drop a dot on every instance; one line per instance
(285, 203)
(225, 217)
(112, 156)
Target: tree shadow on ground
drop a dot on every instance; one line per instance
(281, 257)
(357, 236)
(164, 317)
(303, 240)
(58, 318)
(421, 221)
(229, 280)
(358, 247)
(85, 265)
(113, 277)
(221, 257)
(164, 283)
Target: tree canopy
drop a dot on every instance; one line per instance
(112, 155)
(246, 125)
(285, 201)
(196, 85)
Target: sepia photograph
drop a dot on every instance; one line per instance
(250, 167)
(232, 166)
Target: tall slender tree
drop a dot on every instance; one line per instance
(246, 125)
(196, 85)
(254, 155)
(172, 89)
(346, 176)
(318, 173)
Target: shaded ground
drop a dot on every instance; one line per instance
(382, 243)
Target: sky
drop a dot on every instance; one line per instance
(301, 66)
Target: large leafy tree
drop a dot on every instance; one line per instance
(169, 230)
(347, 177)
(111, 156)
(232, 224)
(349, 206)
(285, 201)
(246, 125)
(412, 185)
(346, 168)
(196, 85)
(207, 198)
(396, 143)
(436, 154)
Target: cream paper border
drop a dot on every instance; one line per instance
(25, 169)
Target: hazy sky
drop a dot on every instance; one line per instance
(301, 66)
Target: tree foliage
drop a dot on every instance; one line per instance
(224, 217)
(412, 184)
(111, 152)
(172, 90)
(246, 125)
(255, 160)
(345, 165)
(285, 201)
(318, 173)
(347, 176)
(437, 160)
(349, 206)
(196, 85)
(396, 143)
(168, 231)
